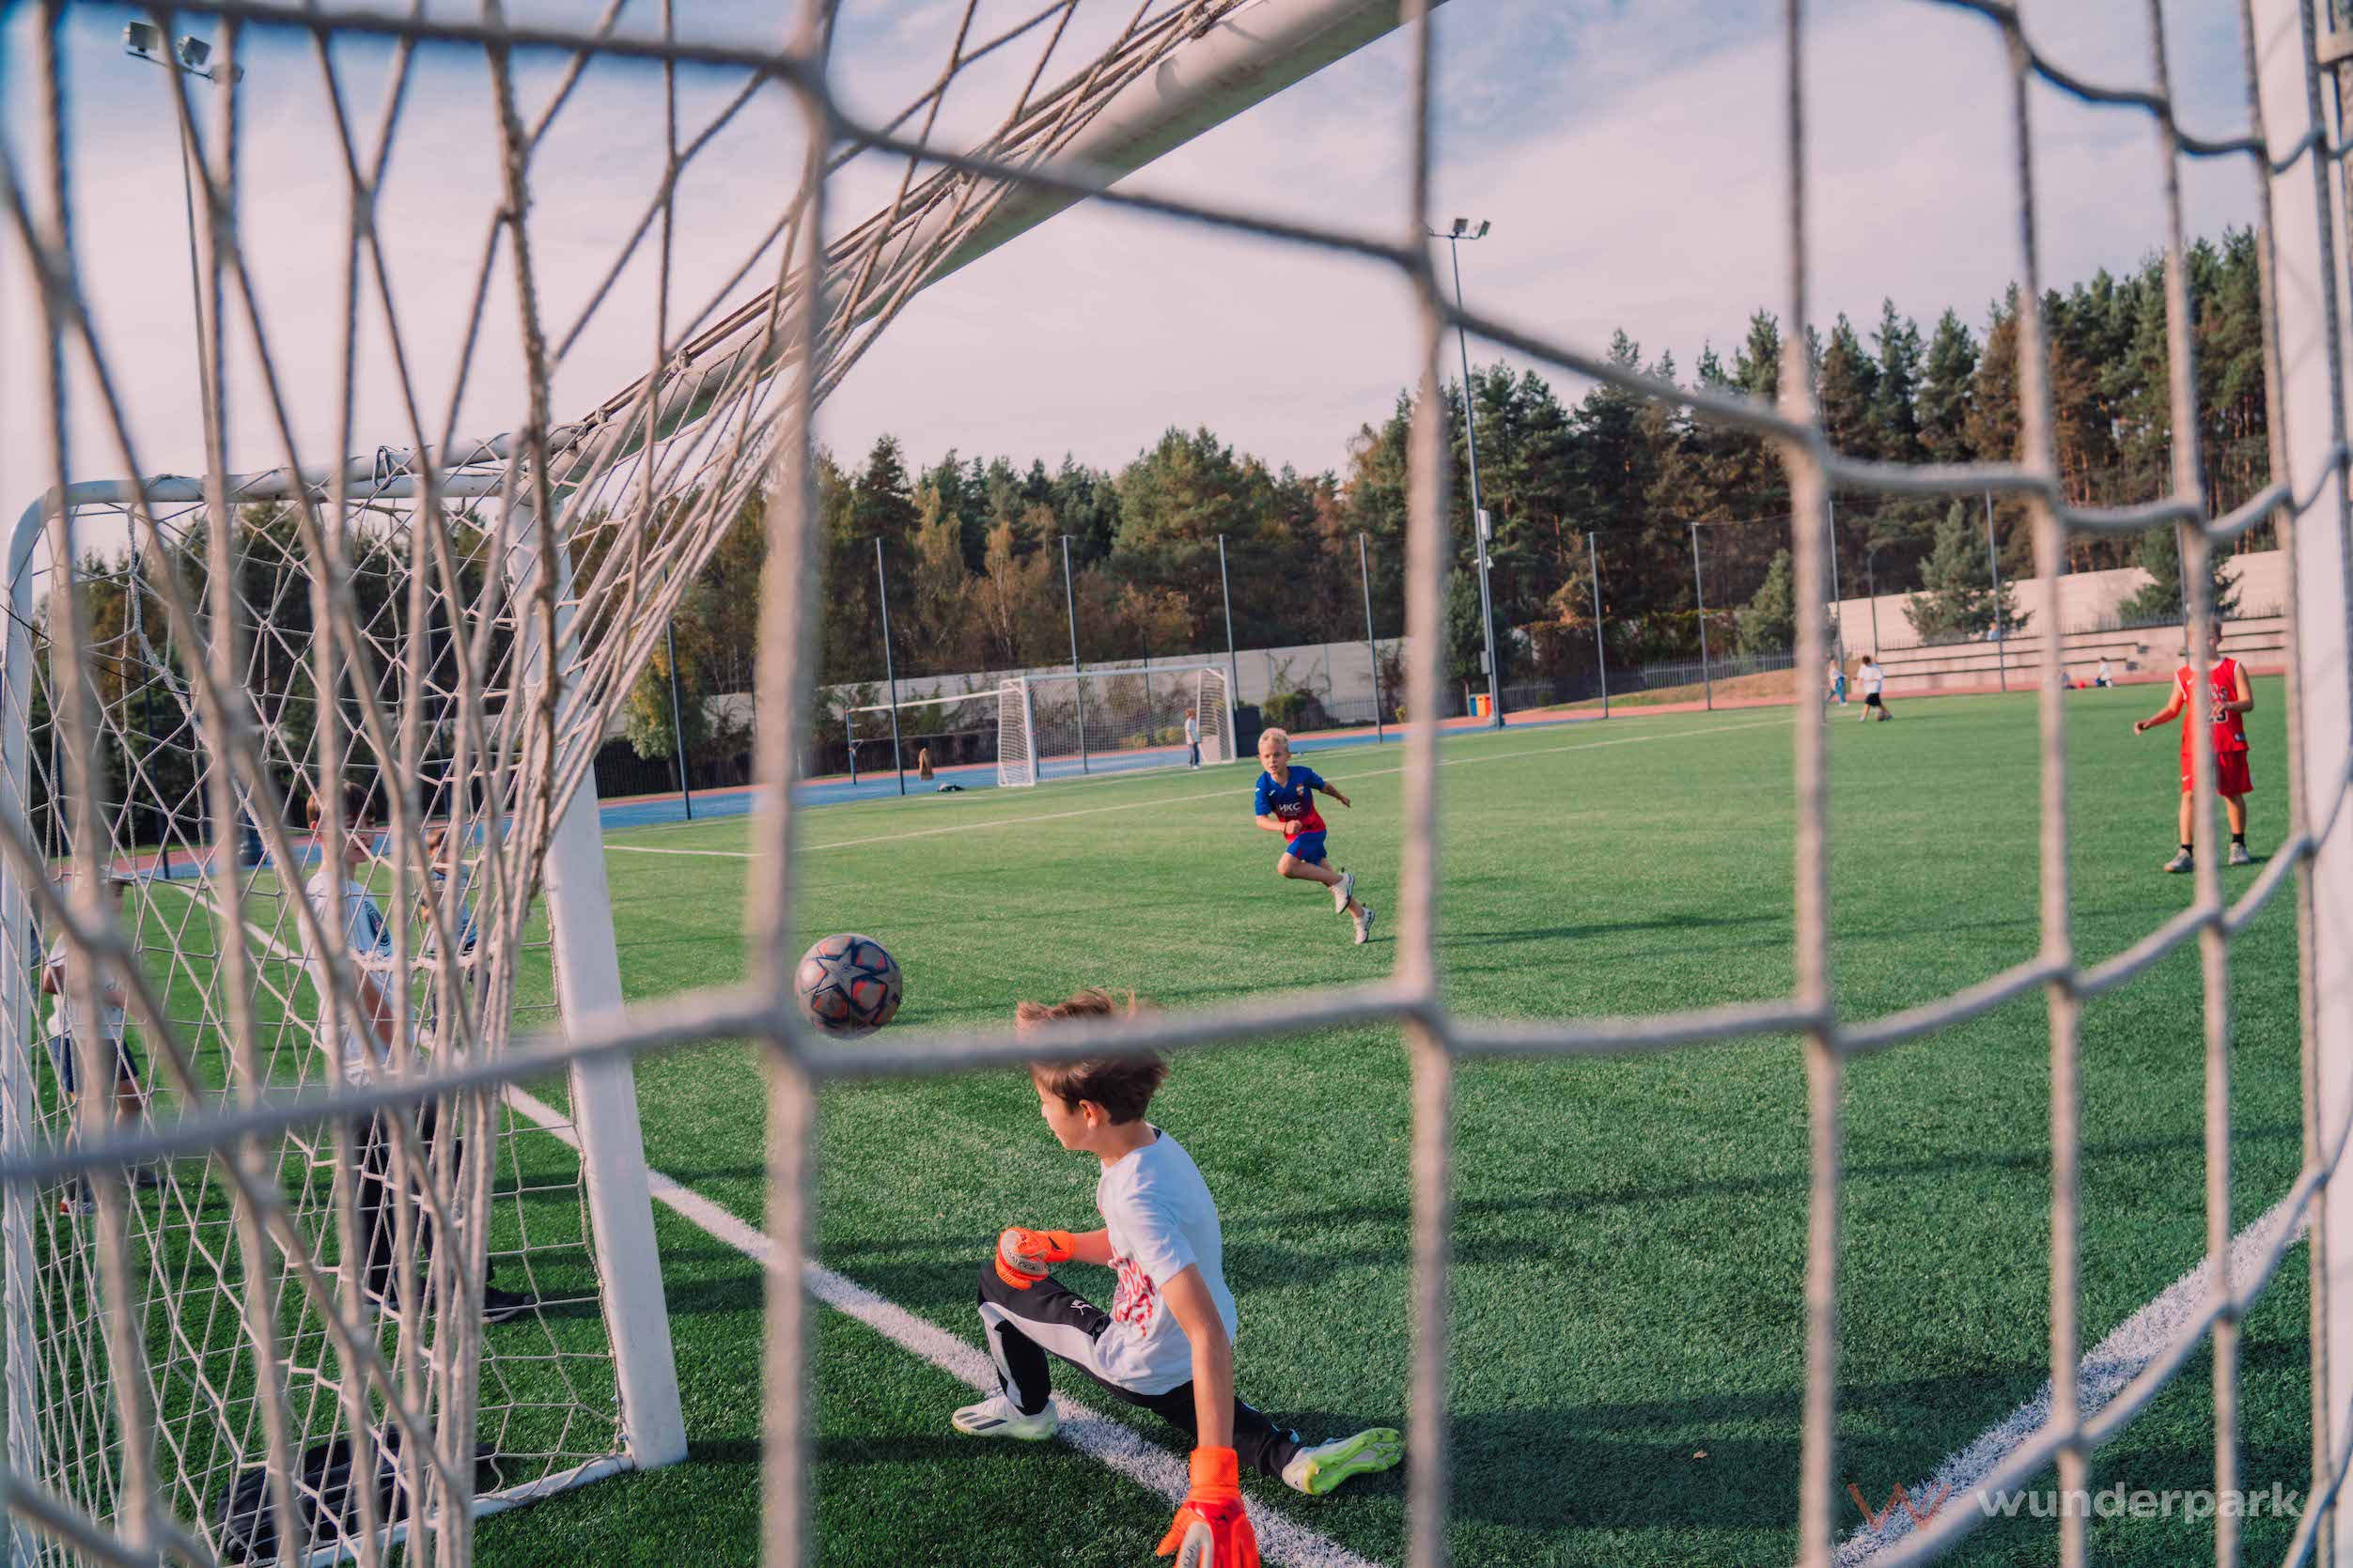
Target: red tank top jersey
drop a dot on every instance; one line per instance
(2230, 729)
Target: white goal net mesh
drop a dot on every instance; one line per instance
(1115, 721)
(437, 633)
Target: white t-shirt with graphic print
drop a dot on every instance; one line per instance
(1161, 1221)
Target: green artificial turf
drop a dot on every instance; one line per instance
(1629, 1235)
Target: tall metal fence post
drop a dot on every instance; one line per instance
(1600, 648)
(678, 719)
(1372, 644)
(1233, 662)
(849, 738)
(890, 673)
(1838, 595)
(1994, 564)
(1078, 678)
(1699, 597)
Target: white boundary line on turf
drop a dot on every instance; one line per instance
(2101, 1376)
(1108, 1443)
(1183, 799)
(1117, 1447)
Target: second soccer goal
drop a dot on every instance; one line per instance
(1053, 727)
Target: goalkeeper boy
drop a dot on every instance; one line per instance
(1285, 804)
(1167, 1343)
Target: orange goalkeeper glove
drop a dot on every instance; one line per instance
(1213, 1529)
(1023, 1254)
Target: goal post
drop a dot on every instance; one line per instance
(556, 1402)
(1111, 721)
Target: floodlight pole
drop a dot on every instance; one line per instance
(187, 188)
(1993, 564)
(1372, 645)
(1470, 441)
(1225, 595)
(677, 718)
(889, 675)
(1699, 597)
(1600, 650)
(1077, 683)
(1871, 586)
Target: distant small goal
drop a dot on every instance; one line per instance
(1066, 725)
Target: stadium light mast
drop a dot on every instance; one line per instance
(1460, 232)
(144, 41)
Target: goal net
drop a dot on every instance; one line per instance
(950, 734)
(311, 1024)
(1113, 721)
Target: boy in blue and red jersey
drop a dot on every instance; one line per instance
(1287, 805)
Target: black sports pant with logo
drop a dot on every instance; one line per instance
(1023, 1326)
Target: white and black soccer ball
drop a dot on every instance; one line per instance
(848, 985)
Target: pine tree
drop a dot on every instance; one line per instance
(1956, 599)
(1768, 622)
(2159, 599)
(1945, 390)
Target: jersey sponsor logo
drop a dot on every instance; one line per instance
(1135, 1299)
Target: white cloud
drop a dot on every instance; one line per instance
(1629, 156)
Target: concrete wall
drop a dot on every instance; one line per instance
(2085, 598)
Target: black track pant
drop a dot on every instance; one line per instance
(380, 1197)
(1023, 1326)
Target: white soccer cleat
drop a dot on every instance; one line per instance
(1341, 891)
(2180, 862)
(995, 1417)
(2239, 855)
(1322, 1469)
(1365, 924)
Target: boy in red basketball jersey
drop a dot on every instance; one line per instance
(2229, 699)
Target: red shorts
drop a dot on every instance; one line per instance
(2230, 774)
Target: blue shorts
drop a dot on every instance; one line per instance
(61, 1057)
(1308, 847)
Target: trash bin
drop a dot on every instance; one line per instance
(1480, 706)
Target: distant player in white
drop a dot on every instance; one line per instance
(57, 982)
(349, 912)
(350, 916)
(1874, 683)
(2101, 677)
(1193, 739)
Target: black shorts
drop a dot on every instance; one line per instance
(1871, 700)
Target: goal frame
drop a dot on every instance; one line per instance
(1017, 696)
(616, 1186)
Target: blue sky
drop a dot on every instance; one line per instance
(1631, 158)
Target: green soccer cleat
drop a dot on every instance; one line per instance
(1322, 1469)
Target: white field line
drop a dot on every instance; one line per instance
(1117, 1447)
(1181, 799)
(2111, 1364)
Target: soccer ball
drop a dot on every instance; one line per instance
(848, 984)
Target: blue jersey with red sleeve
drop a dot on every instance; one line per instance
(1292, 803)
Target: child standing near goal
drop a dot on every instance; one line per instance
(1167, 1343)
(2229, 697)
(1287, 805)
(57, 982)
